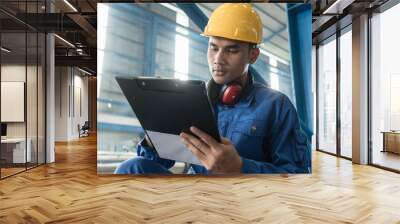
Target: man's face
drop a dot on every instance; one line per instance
(229, 59)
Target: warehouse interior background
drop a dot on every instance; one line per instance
(160, 48)
(55, 90)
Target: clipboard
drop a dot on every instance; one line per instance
(166, 107)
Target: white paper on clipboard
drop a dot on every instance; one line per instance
(170, 146)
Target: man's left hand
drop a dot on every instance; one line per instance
(218, 158)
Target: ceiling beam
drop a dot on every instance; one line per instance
(274, 34)
(86, 26)
(81, 61)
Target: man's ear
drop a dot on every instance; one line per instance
(253, 55)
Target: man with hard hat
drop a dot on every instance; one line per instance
(260, 126)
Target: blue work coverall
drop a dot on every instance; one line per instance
(264, 128)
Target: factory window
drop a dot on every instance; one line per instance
(120, 53)
(276, 73)
(385, 87)
(334, 94)
(346, 93)
(327, 96)
(181, 47)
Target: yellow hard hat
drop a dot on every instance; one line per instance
(236, 21)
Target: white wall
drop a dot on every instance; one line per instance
(14, 73)
(17, 73)
(33, 126)
(71, 94)
(61, 103)
(79, 112)
(12, 101)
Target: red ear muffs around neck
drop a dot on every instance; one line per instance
(230, 93)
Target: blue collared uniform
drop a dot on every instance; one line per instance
(264, 128)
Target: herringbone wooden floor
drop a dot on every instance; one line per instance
(70, 191)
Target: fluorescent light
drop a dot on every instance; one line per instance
(5, 50)
(70, 5)
(64, 40)
(86, 72)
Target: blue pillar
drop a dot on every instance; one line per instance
(200, 19)
(299, 26)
